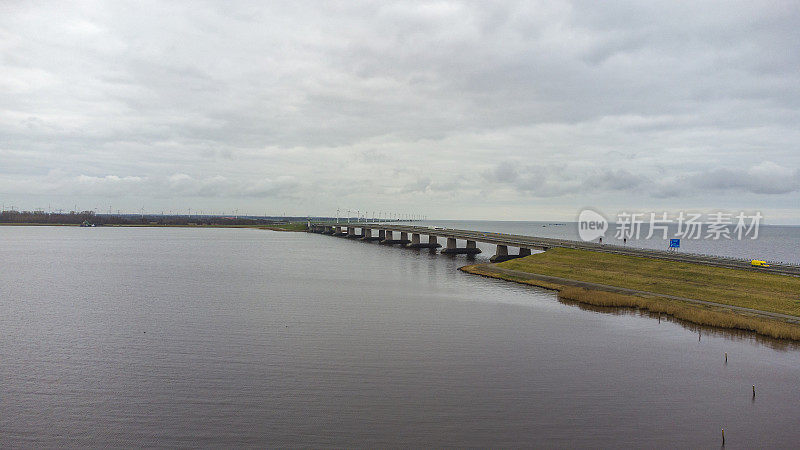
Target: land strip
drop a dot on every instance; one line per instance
(766, 303)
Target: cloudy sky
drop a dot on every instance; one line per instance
(479, 110)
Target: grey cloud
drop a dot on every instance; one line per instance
(176, 185)
(220, 186)
(505, 172)
(766, 178)
(614, 179)
(537, 180)
(420, 185)
(275, 102)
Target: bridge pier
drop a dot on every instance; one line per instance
(417, 243)
(369, 237)
(501, 254)
(338, 231)
(453, 249)
(351, 232)
(390, 240)
(388, 237)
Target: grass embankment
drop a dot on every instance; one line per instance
(698, 314)
(744, 288)
(294, 226)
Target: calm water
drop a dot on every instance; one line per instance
(234, 337)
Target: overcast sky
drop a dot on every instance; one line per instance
(481, 110)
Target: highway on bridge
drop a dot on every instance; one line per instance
(541, 243)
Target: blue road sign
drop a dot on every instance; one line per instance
(674, 243)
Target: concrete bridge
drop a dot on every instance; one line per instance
(411, 236)
(407, 236)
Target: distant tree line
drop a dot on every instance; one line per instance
(79, 217)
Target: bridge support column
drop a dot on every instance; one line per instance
(416, 242)
(403, 238)
(369, 237)
(502, 254)
(452, 249)
(338, 231)
(388, 237)
(390, 240)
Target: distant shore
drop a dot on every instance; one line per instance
(273, 227)
(90, 219)
(728, 298)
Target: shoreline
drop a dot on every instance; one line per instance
(698, 312)
(288, 227)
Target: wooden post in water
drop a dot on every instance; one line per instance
(723, 436)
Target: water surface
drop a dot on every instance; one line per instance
(237, 337)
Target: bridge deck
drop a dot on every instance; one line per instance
(532, 242)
